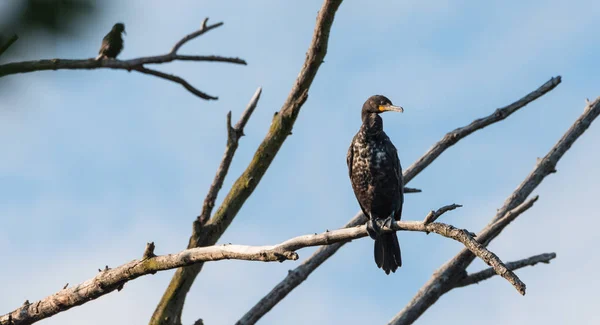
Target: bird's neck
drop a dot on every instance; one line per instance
(372, 123)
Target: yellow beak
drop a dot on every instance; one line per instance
(390, 108)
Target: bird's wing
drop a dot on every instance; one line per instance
(392, 155)
(105, 45)
(349, 161)
(349, 157)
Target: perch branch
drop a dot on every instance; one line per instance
(9, 43)
(170, 307)
(298, 275)
(444, 278)
(109, 280)
(132, 64)
(477, 277)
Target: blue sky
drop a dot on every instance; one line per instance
(97, 163)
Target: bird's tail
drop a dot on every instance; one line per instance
(387, 252)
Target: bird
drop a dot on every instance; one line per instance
(112, 43)
(376, 176)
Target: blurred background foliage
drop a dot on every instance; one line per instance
(45, 19)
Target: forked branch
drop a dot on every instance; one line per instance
(477, 277)
(295, 277)
(445, 277)
(129, 65)
(109, 280)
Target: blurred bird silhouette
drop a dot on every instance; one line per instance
(112, 43)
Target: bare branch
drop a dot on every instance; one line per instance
(175, 79)
(233, 136)
(111, 279)
(434, 215)
(492, 230)
(132, 64)
(205, 28)
(412, 190)
(149, 251)
(445, 277)
(297, 276)
(499, 115)
(488, 273)
(9, 43)
(171, 305)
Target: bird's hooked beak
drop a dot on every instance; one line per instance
(390, 108)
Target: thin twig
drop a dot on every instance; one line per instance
(412, 190)
(115, 278)
(205, 28)
(489, 272)
(9, 43)
(295, 277)
(171, 305)
(446, 276)
(136, 64)
(175, 79)
(233, 136)
(434, 215)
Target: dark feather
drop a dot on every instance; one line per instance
(376, 176)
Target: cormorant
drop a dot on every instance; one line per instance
(376, 177)
(112, 43)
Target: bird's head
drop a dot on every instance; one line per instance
(119, 28)
(379, 104)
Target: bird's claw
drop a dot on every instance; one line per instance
(387, 222)
(371, 229)
(375, 227)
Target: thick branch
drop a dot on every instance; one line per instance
(9, 43)
(297, 276)
(489, 272)
(132, 64)
(445, 277)
(110, 279)
(170, 307)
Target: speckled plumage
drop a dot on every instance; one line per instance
(112, 43)
(376, 176)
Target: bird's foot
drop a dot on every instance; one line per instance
(372, 229)
(388, 222)
(375, 227)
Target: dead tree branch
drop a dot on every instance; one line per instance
(128, 65)
(477, 277)
(295, 277)
(444, 278)
(110, 279)
(233, 136)
(170, 307)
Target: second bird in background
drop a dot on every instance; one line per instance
(112, 43)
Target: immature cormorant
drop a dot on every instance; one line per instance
(112, 43)
(376, 177)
